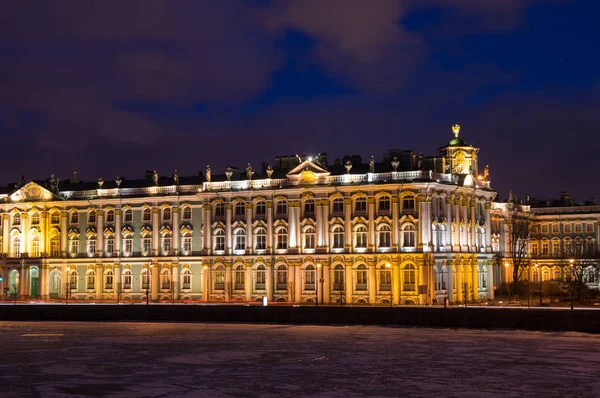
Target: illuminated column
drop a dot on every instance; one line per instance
(395, 220)
(450, 285)
(155, 231)
(117, 279)
(456, 216)
(176, 233)
(371, 243)
(205, 283)
(488, 228)
(99, 233)
(319, 220)
(98, 281)
(43, 231)
(349, 282)
(423, 275)
(372, 283)
(473, 242)
(23, 271)
(458, 274)
(422, 242)
(326, 283)
(297, 281)
(249, 281)
(298, 225)
(475, 267)
(396, 282)
(118, 232)
(292, 224)
(490, 281)
(207, 235)
(348, 223)
(269, 281)
(229, 237)
(155, 282)
(325, 204)
(228, 281)
(25, 247)
(249, 236)
(175, 279)
(425, 221)
(5, 233)
(448, 232)
(63, 233)
(269, 227)
(464, 239)
(45, 282)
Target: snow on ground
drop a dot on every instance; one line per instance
(59, 359)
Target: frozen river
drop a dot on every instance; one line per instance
(54, 359)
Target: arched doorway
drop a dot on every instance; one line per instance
(35, 278)
(55, 282)
(13, 282)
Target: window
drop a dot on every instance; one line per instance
(92, 217)
(261, 275)
(186, 278)
(16, 246)
(240, 239)
(146, 215)
(408, 204)
(127, 278)
(309, 277)
(187, 213)
(145, 277)
(219, 240)
(338, 277)
(578, 228)
(219, 210)
(591, 275)
(260, 239)
(35, 246)
(556, 273)
(409, 278)
(261, 209)
(17, 219)
(165, 279)
(128, 215)
(90, 277)
(555, 228)
(555, 248)
(589, 227)
(219, 277)
(55, 218)
(385, 278)
(545, 248)
(146, 245)
(409, 234)
(108, 280)
(361, 237)
(35, 219)
(337, 207)
(281, 237)
(240, 209)
(360, 206)
(73, 280)
(384, 204)
(568, 228)
(91, 246)
(281, 277)
(74, 217)
(568, 248)
(361, 277)
(166, 242)
(186, 243)
(337, 241)
(240, 277)
(110, 245)
(282, 208)
(309, 208)
(309, 237)
(110, 216)
(544, 228)
(536, 274)
(128, 245)
(534, 249)
(74, 247)
(385, 236)
(55, 246)
(167, 214)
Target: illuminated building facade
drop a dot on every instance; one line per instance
(407, 229)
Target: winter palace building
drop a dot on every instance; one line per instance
(408, 228)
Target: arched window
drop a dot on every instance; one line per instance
(110, 216)
(186, 278)
(165, 277)
(166, 241)
(281, 237)
(90, 280)
(220, 277)
(385, 278)
(260, 238)
(360, 205)
(281, 277)
(145, 278)
(309, 277)
(128, 215)
(556, 273)
(408, 204)
(409, 279)
(219, 243)
(240, 209)
(337, 206)
(110, 245)
(108, 280)
(438, 235)
(73, 280)
(35, 246)
(481, 239)
(55, 218)
(74, 217)
(361, 237)
(337, 237)
(240, 239)
(309, 237)
(409, 234)
(146, 215)
(260, 209)
(309, 208)
(261, 276)
(534, 248)
(186, 243)
(91, 245)
(219, 211)
(73, 246)
(16, 219)
(361, 277)
(568, 246)
(92, 217)
(35, 219)
(15, 245)
(146, 244)
(338, 277)
(240, 277)
(187, 213)
(55, 245)
(385, 236)
(546, 274)
(384, 204)
(127, 244)
(167, 214)
(127, 278)
(535, 274)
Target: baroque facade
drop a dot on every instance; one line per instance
(404, 230)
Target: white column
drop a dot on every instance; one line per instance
(175, 279)
(372, 284)
(229, 235)
(25, 247)
(396, 283)
(249, 235)
(448, 232)
(5, 234)
(325, 204)
(228, 281)
(488, 228)
(270, 227)
(155, 282)
(155, 232)
(249, 281)
(99, 233)
(117, 278)
(207, 236)
(118, 231)
(297, 281)
(297, 220)
(99, 281)
(319, 220)
(292, 223)
(349, 283)
(456, 216)
(326, 284)
(464, 240)
(176, 234)
(395, 221)
(348, 223)
(63, 233)
(473, 242)
(371, 243)
(269, 282)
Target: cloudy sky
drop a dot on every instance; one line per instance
(118, 87)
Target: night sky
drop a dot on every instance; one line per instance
(119, 87)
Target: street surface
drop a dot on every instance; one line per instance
(59, 359)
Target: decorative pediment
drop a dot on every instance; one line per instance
(145, 231)
(185, 229)
(165, 230)
(127, 231)
(307, 172)
(32, 192)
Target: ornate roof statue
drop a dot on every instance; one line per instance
(175, 177)
(74, 180)
(22, 180)
(155, 177)
(372, 164)
(298, 158)
(249, 171)
(511, 197)
(118, 181)
(395, 163)
(207, 173)
(348, 166)
(456, 130)
(228, 173)
(54, 183)
(100, 182)
(269, 171)
(486, 172)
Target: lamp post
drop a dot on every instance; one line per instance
(507, 281)
(389, 267)
(317, 280)
(540, 276)
(571, 261)
(68, 285)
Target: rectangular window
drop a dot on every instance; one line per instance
(578, 228)
(554, 228)
(545, 248)
(187, 244)
(110, 247)
(282, 209)
(146, 245)
(589, 227)
(568, 228)
(74, 249)
(91, 247)
(360, 206)
(128, 246)
(261, 242)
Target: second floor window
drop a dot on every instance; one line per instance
(282, 208)
(384, 204)
(75, 218)
(92, 217)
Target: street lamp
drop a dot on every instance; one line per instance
(571, 261)
(389, 266)
(537, 266)
(317, 280)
